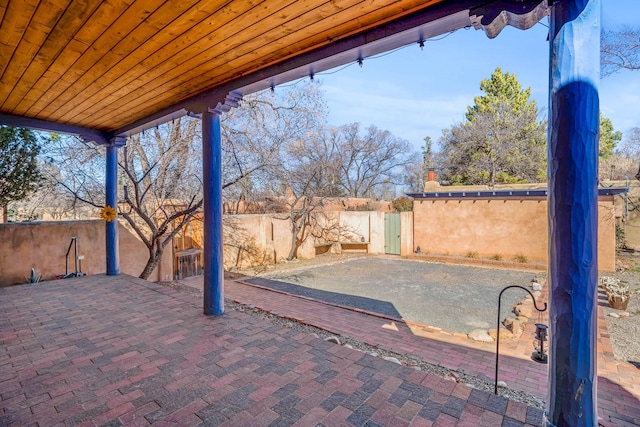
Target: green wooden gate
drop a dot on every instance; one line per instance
(392, 233)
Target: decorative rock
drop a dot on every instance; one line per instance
(536, 286)
(315, 335)
(348, 346)
(515, 326)
(333, 339)
(502, 384)
(505, 335)
(527, 300)
(624, 314)
(453, 376)
(480, 335)
(536, 293)
(373, 353)
(525, 310)
(392, 359)
(614, 315)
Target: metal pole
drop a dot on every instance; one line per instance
(212, 207)
(111, 199)
(535, 305)
(573, 214)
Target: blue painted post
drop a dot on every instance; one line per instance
(573, 211)
(212, 207)
(111, 199)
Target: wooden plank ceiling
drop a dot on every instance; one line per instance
(105, 64)
(101, 64)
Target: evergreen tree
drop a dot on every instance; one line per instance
(501, 141)
(19, 172)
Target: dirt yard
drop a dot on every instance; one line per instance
(315, 276)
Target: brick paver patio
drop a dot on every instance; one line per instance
(121, 351)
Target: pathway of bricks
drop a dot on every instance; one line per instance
(110, 351)
(618, 381)
(121, 351)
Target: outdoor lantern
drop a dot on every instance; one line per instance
(541, 335)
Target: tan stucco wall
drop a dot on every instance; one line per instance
(269, 235)
(43, 245)
(508, 227)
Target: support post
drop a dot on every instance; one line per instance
(573, 211)
(212, 207)
(111, 199)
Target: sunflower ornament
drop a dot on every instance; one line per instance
(108, 213)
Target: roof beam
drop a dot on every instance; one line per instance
(87, 134)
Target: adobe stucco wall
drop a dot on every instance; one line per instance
(508, 227)
(43, 245)
(254, 239)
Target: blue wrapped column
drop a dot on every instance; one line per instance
(573, 211)
(111, 199)
(212, 207)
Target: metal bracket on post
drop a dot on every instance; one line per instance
(495, 390)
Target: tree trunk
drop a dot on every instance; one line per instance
(5, 213)
(295, 229)
(155, 255)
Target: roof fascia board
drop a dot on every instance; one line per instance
(470, 194)
(87, 134)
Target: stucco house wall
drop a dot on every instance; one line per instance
(43, 245)
(505, 226)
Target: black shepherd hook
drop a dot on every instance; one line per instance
(495, 391)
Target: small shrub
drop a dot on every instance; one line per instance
(496, 257)
(521, 258)
(472, 254)
(34, 276)
(402, 204)
(359, 208)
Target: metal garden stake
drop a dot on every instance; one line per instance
(498, 327)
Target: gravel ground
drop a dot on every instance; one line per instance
(625, 331)
(456, 298)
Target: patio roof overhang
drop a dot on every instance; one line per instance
(108, 69)
(105, 70)
(499, 194)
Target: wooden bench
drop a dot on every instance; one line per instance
(322, 248)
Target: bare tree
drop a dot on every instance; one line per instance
(49, 200)
(160, 170)
(620, 50)
(300, 173)
(254, 133)
(162, 188)
(372, 161)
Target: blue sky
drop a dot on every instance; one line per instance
(414, 93)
